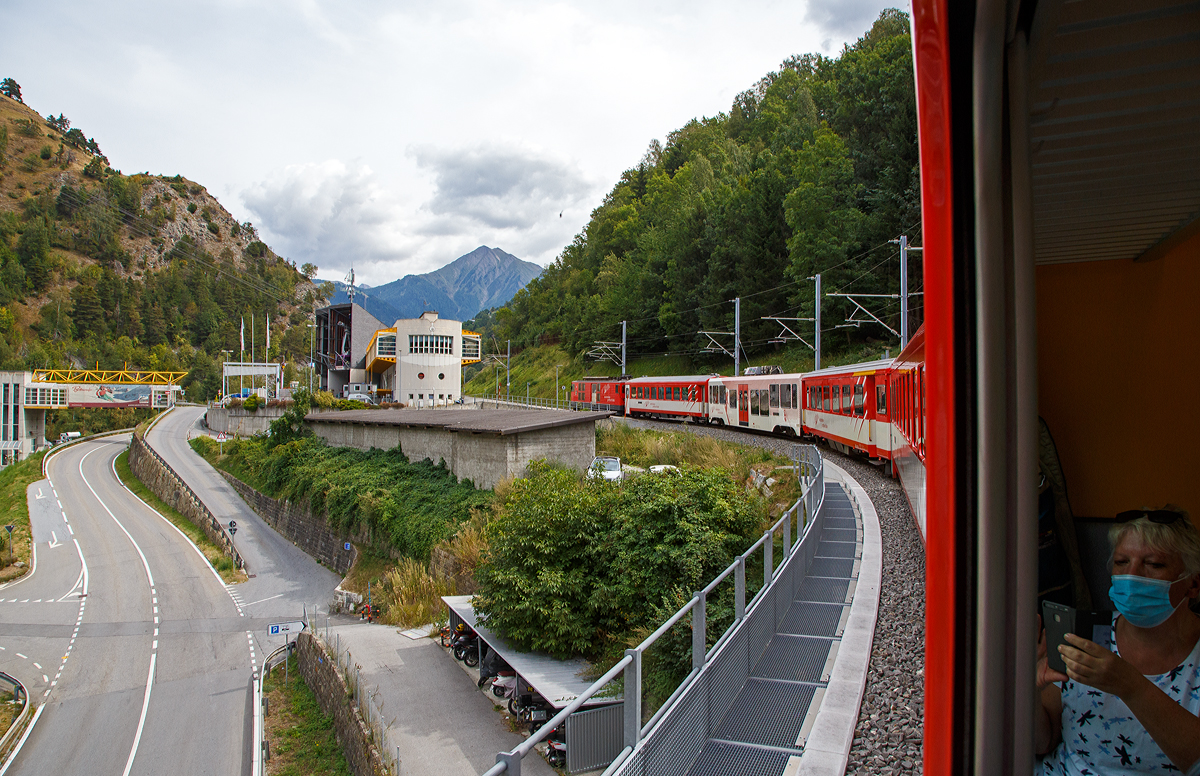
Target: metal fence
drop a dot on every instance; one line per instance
(21, 695)
(368, 700)
(670, 741)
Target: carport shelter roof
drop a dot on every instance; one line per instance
(491, 421)
(558, 681)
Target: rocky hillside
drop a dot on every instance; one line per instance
(99, 266)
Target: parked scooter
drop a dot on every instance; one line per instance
(491, 667)
(556, 747)
(466, 646)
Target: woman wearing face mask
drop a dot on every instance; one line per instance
(1132, 705)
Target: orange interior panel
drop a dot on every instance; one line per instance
(1119, 379)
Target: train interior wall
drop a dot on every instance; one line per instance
(1118, 377)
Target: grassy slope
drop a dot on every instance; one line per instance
(14, 510)
(536, 366)
(300, 735)
(222, 563)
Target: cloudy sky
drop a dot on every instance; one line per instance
(394, 137)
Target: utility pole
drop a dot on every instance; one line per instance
(737, 336)
(556, 368)
(817, 339)
(507, 374)
(623, 348)
(903, 291)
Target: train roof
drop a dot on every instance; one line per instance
(673, 379)
(866, 366)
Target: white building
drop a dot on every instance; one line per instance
(419, 361)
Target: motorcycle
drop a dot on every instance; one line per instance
(505, 685)
(466, 648)
(556, 747)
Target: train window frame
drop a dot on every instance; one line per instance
(881, 400)
(825, 398)
(753, 401)
(835, 401)
(860, 399)
(774, 396)
(795, 396)
(733, 400)
(847, 399)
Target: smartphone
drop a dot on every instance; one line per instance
(1060, 619)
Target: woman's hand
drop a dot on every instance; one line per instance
(1045, 674)
(1096, 666)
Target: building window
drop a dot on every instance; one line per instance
(437, 344)
(441, 375)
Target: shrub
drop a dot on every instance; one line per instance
(214, 228)
(46, 152)
(29, 163)
(596, 558)
(323, 399)
(94, 168)
(411, 597)
(191, 208)
(251, 403)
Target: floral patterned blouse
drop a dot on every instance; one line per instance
(1100, 734)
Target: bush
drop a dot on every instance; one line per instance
(214, 228)
(251, 403)
(596, 558)
(191, 208)
(46, 152)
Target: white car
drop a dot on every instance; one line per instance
(364, 398)
(664, 468)
(605, 466)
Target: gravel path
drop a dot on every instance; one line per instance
(887, 739)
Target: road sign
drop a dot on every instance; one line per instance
(10, 528)
(284, 628)
(221, 437)
(345, 546)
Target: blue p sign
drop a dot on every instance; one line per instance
(346, 547)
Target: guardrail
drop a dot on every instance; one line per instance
(18, 723)
(532, 402)
(199, 505)
(810, 469)
(64, 445)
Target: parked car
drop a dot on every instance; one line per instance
(664, 468)
(605, 466)
(364, 398)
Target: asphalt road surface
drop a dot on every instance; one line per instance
(285, 582)
(137, 652)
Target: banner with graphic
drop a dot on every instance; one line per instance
(80, 395)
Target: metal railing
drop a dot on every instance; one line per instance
(19, 693)
(368, 701)
(532, 402)
(810, 470)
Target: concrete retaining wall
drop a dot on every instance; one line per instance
(326, 682)
(485, 459)
(301, 527)
(240, 422)
(162, 480)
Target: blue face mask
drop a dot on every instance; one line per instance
(1144, 602)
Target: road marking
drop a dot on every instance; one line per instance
(38, 666)
(153, 593)
(54, 542)
(142, 722)
(252, 603)
(45, 678)
(16, 750)
(69, 528)
(40, 494)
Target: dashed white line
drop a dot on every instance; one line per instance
(22, 656)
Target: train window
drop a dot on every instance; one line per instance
(859, 399)
(825, 398)
(733, 400)
(814, 398)
(775, 395)
(836, 404)
(795, 395)
(753, 401)
(847, 392)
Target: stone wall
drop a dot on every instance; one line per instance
(323, 678)
(301, 527)
(162, 480)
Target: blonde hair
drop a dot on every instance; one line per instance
(1180, 536)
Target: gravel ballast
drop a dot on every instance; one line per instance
(887, 739)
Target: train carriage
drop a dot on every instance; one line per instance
(599, 393)
(674, 398)
(840, 407)
(759, 402)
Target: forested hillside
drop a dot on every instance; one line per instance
(812, 170)
(101, 267)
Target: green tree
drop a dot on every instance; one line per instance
(11, 88)
(308, 270)
(87, 312)
(32, 250)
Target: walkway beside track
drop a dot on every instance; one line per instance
(796, 709)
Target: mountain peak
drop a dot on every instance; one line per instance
(479, 280)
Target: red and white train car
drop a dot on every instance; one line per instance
(760, 402)
(904, 426)
(678, 397)
(841, 408)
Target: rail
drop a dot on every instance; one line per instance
(19, 693)
(810, 470)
